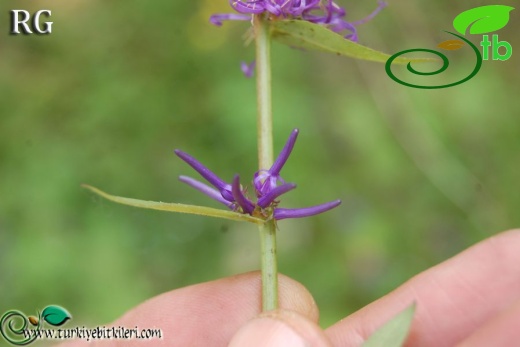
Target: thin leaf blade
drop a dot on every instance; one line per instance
(394, 332)
(310, 36)
(174, 207)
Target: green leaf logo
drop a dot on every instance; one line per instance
(483, 19)
(55, 315)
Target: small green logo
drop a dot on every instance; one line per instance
(16, 328)
(476, 21)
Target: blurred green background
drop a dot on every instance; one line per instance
(105, 99)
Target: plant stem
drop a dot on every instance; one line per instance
(265, 158)
(263, 91)
(269, 266)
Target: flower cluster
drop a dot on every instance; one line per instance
(323, 12)
(268, 184)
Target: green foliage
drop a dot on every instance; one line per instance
(310, 36)
(394, 332)
(178, 208)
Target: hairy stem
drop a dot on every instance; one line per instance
(265, 158)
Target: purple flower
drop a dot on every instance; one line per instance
(268, 186)
(248, 69)
(267, 180)
(323, 12)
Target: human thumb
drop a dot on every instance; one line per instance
(280, 328)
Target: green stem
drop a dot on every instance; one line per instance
(269, 266)
(263, 90)
(265, 158)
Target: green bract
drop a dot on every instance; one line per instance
(173, 207)
(394, 332)
(310, 36)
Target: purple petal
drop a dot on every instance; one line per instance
(335, 9)
(352, 37)
(216, 181)
(227, 193)
(267, 199)
(207, 190)
(248, 69)
(217, 19)
(339, 25)
(284, 154)
(254, 6)
(283, 213)
(265, 181)
(333, 16)
(241, 200)
(380, 5)
(274, 9)
(299, 8)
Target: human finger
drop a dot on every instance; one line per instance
(453, 298)
(280, 328)
(207, 314)
(500, 331)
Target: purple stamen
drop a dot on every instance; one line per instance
(283, 213)
(247, 206)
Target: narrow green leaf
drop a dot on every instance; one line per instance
(182, 208)
(483, 19)
(394, 332)
(310, 36)
(55, 315)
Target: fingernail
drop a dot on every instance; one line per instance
(265, 332)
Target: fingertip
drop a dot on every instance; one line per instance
(280, 328)
(227, 303)
(295, 297)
